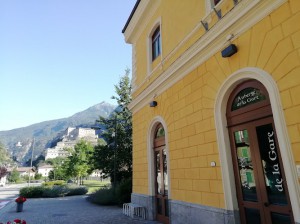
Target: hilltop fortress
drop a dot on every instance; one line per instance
(68, 139)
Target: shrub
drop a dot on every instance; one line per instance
(55, 191)
(48, 193)
(14, 176)
(52, 192)
(123, 191)
(105, 196)
(55, 182)
(32, 192)
(75, 190)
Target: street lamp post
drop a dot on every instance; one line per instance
(31, 162)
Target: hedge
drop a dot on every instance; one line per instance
(52, 192)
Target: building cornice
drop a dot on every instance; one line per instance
(140, 18)
(131, 15)
(246, 14)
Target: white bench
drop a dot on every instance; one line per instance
(131, 209)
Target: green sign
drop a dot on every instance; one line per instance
(247, 97)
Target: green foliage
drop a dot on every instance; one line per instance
(101, 141)
(115, 157)
(55, 191)
(25, 177)
(14, 176)
(105, 196)
(123, 191)
(75, 190)
(111, 196)
(55, 161)
(32, 192)
(58, 173)
(52, 191)
(38, 176)
(56, 182)
(4, 157)
(94, 185)
(79, 163)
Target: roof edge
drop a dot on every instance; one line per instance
(131, 15)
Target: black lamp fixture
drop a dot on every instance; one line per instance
(153, 103)
(229, 51)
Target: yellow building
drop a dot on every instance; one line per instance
(216, 110)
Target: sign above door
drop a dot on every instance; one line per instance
(246, 97)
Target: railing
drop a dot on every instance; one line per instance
(218, 12)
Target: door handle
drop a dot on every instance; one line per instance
(266, 204)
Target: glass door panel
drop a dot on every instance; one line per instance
(165, 171)
(167, 207)
(245, 165)
(158, 174)
(280, 218)
(271, 166)
(252, 216)
(159, 205)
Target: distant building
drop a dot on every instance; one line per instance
(23, 171)
(44, 170)
(68, 139)
(3, 181)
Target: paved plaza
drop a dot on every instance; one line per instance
(73, 209)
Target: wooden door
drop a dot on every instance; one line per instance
(262, 191)
(261, 187)
(161, 176)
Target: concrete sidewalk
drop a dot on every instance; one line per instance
(73, 209)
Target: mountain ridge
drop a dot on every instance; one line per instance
(45, 131)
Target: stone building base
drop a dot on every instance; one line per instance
(188, 213)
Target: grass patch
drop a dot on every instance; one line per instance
(94, 185)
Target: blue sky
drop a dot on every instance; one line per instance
(59, 57)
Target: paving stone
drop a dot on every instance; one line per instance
(74, 209)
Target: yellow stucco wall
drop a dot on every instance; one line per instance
(273, 45)
(174, 28)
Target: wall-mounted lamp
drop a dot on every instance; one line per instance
(229, 51)
(153, 103)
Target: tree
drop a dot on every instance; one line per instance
(58, 161)
(38, 176)
(14, 176)
(115, 157)
(59, 171)
(4, 157)
(79, 163)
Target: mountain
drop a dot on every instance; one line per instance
(19, 142)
